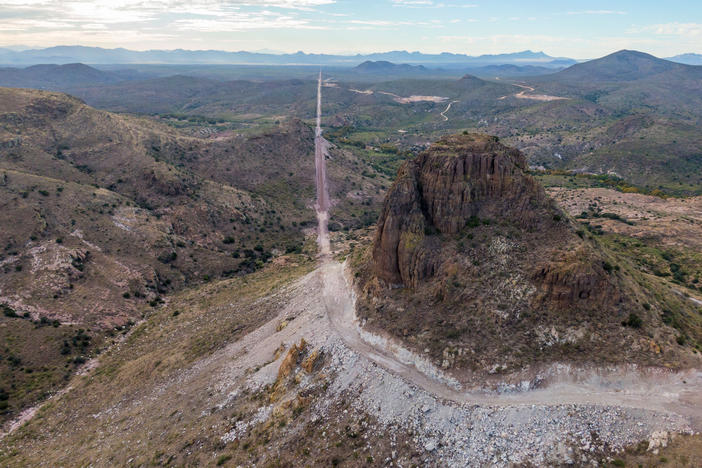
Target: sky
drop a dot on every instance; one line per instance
(577, 29)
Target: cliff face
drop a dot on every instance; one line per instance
(474, 265)
(460, 180)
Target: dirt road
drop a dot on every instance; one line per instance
(679, 393)
(321, 150)
(448, 108)
(534, 97)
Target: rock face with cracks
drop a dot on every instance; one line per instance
(473, 263)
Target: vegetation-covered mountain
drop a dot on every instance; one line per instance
(625, 65)
(55, 77)
(103, 216)
(628, 115)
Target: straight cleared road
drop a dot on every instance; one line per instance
(321, 150)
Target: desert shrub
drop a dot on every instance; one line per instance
(293, 248)
(633, 321)
(167, 257)
(8, 311)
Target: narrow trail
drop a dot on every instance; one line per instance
(668, 392)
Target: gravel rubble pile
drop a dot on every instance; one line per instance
(458, 434)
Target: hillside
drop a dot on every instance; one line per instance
(55, 77)
(625, 65)
(470, 252)
(640, 127)
(509, 70)
(104, 216)
(273, 368)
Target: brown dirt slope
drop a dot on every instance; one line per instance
(96, 205)
(475, 265)
(103, 216)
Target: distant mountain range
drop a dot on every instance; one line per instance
(688, 59)
(100, 56)
(390, 69)
(384, 67)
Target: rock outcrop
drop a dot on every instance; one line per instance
(459, 180)
(474, 265)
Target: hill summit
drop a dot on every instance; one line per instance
(624, 65)
(475, 265)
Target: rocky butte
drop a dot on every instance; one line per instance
(474, 265)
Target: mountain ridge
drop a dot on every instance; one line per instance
(97, 55)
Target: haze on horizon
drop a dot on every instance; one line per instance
(582, 29)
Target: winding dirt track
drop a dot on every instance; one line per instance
(534, 97)
(448, 108)
(676, 393)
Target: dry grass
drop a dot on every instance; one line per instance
(102, 419)
(681, 452)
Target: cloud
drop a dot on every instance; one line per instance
(245, 21)
(429, 4)
(412, 2)
(688, 30)
(197, 15)
(596, 12)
